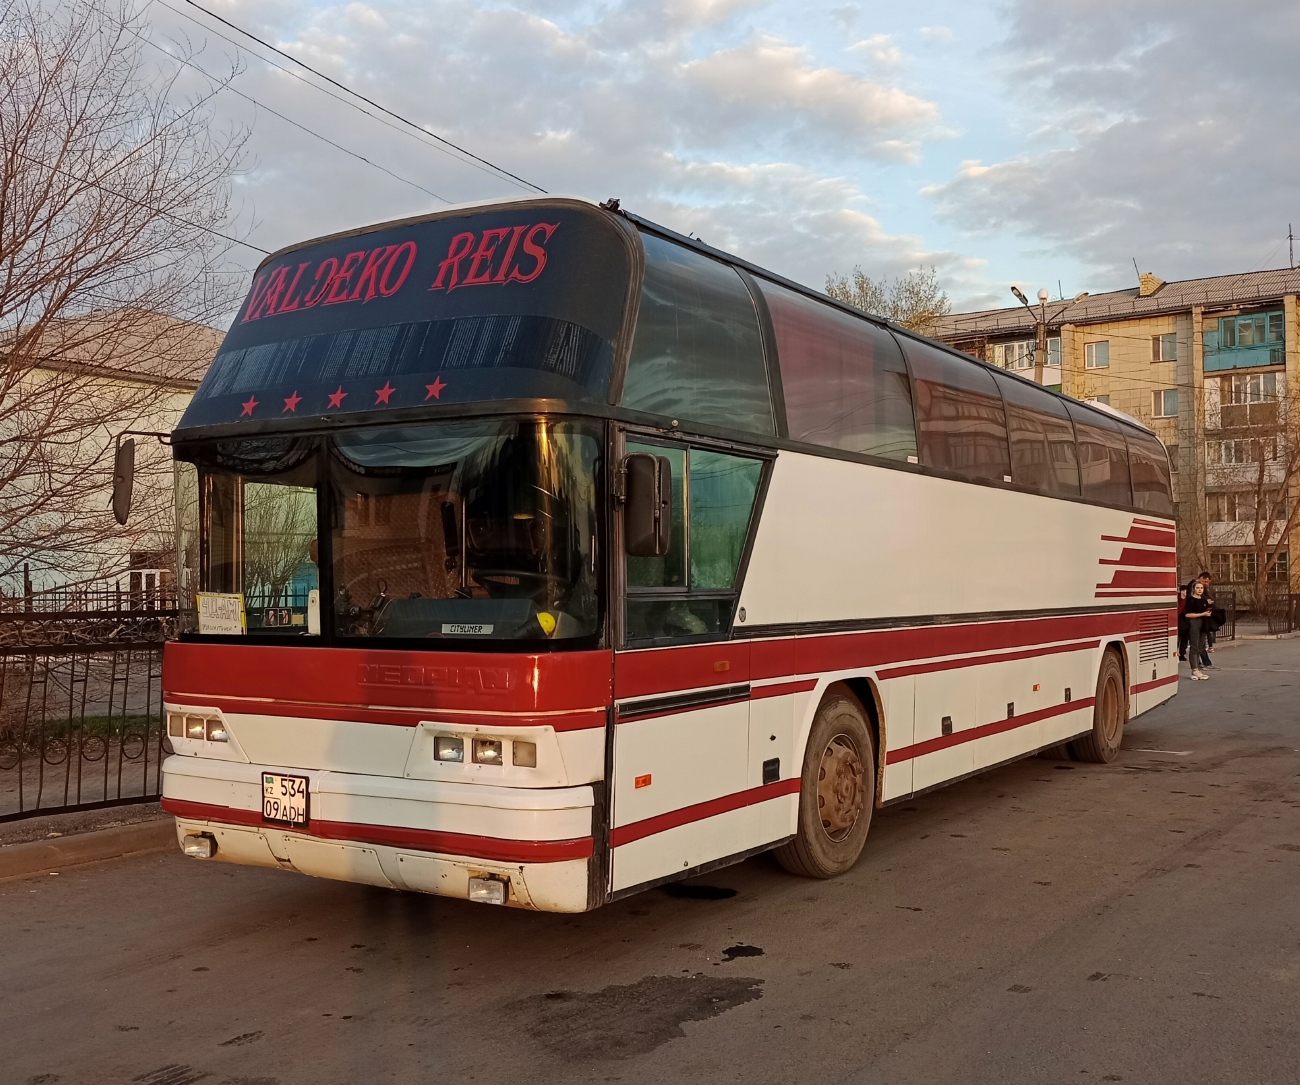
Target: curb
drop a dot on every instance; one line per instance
(43, 856)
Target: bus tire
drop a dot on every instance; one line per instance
(1109, 714)
(836, 792)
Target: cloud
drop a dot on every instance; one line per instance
(772, 77)
(1159, 132)
(679, 110)
(885, 56)
(936, 33)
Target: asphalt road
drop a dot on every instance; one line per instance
(1046, 922)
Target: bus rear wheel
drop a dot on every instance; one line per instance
(836, 793)
(1109, 714)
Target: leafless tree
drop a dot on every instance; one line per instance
(114, 190)
(1253, 479)
(915, 300)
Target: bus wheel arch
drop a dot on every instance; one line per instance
(837, 788)
(1110, 711)
(864, 689)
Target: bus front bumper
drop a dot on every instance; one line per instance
(525, 847)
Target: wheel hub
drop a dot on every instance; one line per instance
(840, 787)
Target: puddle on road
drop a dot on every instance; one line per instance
(620, 1022)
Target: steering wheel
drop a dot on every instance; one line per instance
(529, 583)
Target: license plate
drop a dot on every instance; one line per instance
(284, 798)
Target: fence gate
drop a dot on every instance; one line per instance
(81, 726)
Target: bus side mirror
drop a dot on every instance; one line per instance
(123, 479)
(647, 513)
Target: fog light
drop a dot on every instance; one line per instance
(217, 731)
(175, 725)
(524, 754)
(487, 751)
(446, 748)
(199, 845)
(488, 890)
(194, 727)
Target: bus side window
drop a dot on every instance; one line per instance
(697, 354)
(1103, 457)
(691, 591)
(844, 379)
(960, 414)
(1149, 466)
(1042, 439)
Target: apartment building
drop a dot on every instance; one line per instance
(1212, 366)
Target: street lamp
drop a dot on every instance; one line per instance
(1040, 323)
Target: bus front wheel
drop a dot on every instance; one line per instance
(1109, 714)
(836, 793)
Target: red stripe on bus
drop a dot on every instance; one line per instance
(786, 657)
(421, 681)
(637, 830)
(1141, 578)
(1165, 524)
(1142, 687)
(1147, 594)
(645, 671)
(781, 689)
(395, 717)
(1143, 559)
(1144, 536)
(974, 661)
(997, 727)
(397, 836)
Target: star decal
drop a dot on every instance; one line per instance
(382, 394)
(248, 408)
(291, 404)
(435, 389)
(337, 398)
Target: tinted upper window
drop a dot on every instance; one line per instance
(520, 302)
(959, 412)
(697, 354)
(1042, 439)
(844, 379)
(1103, 456)
(1149, 466)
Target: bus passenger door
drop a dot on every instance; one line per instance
(681, 685)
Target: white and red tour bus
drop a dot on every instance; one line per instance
(537, 555)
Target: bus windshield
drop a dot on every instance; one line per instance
(464, 531)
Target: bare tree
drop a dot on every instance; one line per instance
(114, 186)
(915, 301)
(1253, 476)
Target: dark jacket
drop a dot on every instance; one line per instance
(1197, 606)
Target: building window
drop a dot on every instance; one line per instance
(1246, 340)
(1053, 352)
(1240, 567)
(1240, 451)
(1164, 348)
(1014, 355)
(1238, 506)
(1096, 355)
(1173, 457)
(1098, 399)
(1164, 403)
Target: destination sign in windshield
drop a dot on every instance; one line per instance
(523, 301)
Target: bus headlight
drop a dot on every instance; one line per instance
(487, 751)
(195, 726)
(448, 748)
(217, 731)
(524, 754)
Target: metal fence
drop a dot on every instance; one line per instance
(1282, 612)
(81, 726)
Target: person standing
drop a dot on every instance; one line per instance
(1197, 608)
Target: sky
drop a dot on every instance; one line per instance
(1041, 144)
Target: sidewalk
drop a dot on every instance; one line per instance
(46, 845)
